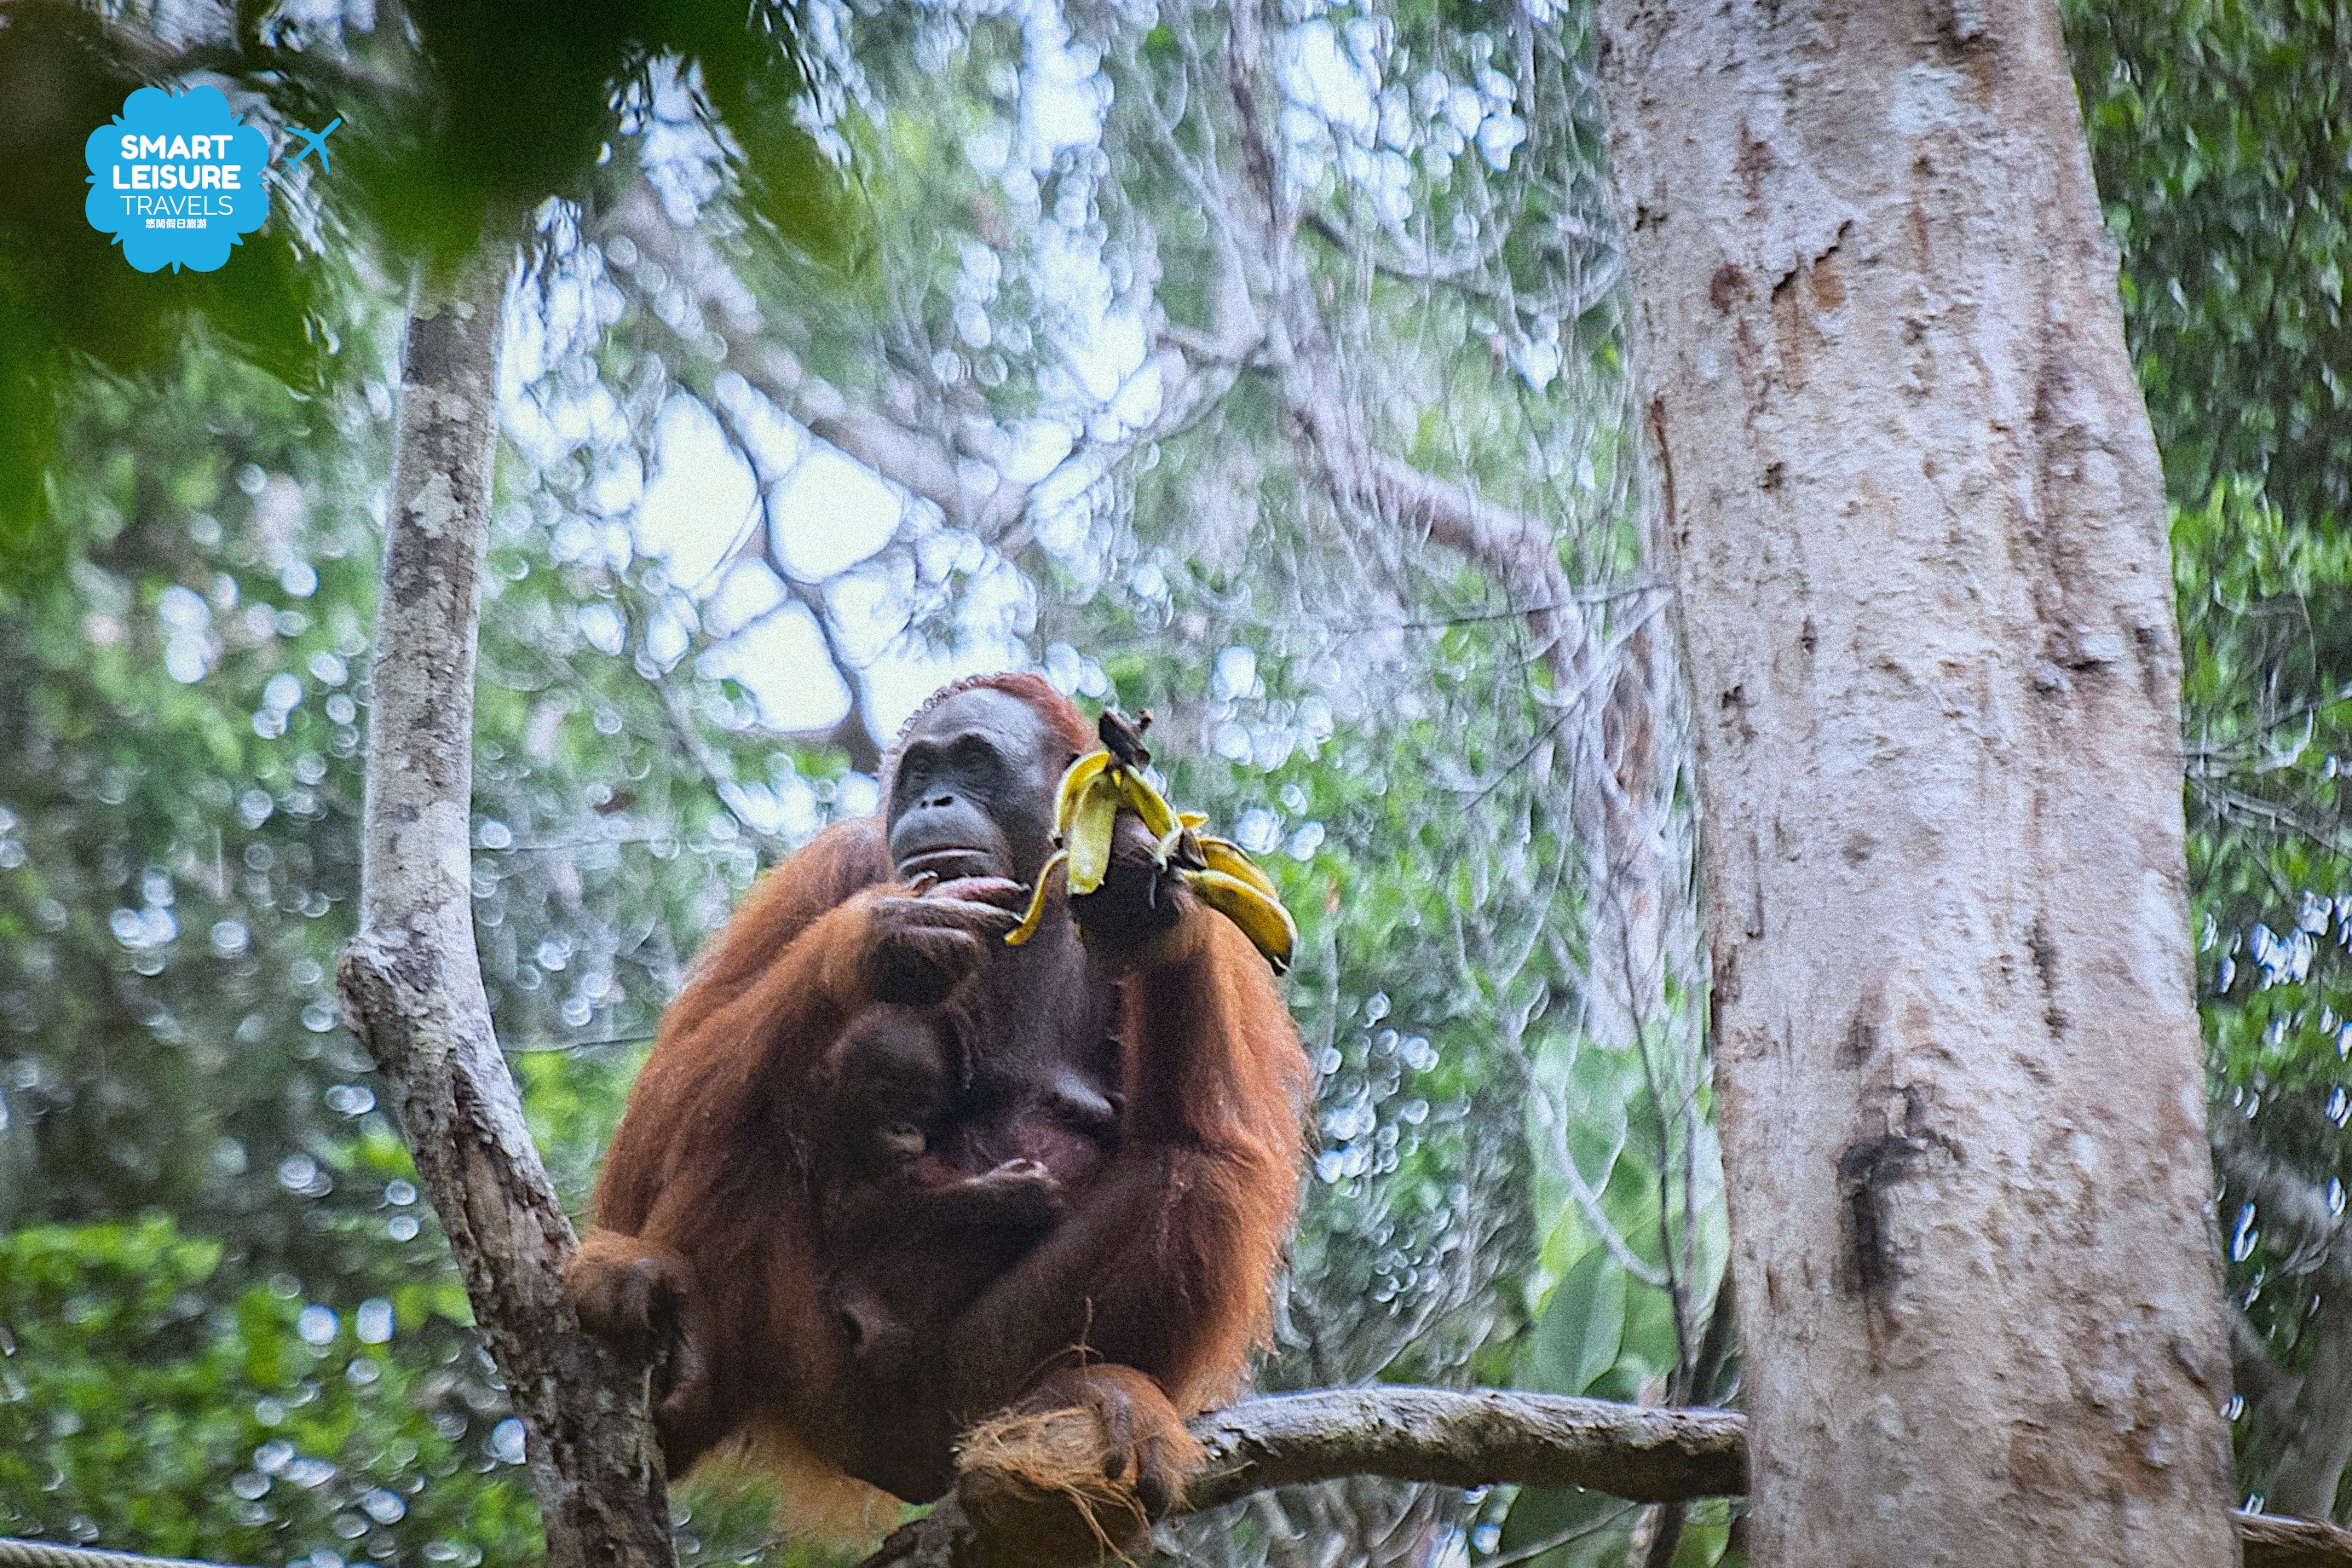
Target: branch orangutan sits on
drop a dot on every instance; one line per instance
(885, 1179)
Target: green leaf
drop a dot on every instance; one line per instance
(1581, 1328)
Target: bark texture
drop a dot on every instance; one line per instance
(1467, 1437)
(1917, 526)
(411, 982)
(2273, 1541)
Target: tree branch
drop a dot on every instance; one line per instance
(2306, 1417)
(1429, 268)
(2283, 1198)
(411, 982)
(2274, 1540)
(916, 460)
(2318, 1427)
(2265, 1384)
(853, 731)
(1474, 1437)
(1463, 1437)
(1469, 1437)
(686, 734)
(1515, 552)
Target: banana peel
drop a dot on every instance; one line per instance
(1260, 915)
(1086, 812)
(1035, 913)
(1088, 834)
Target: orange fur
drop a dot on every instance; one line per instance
(1141, 1302)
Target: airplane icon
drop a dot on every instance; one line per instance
(316, 141)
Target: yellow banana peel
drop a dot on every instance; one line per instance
(1159, 817)
(1225, 857)
(1085, 816)
(1260, 915)
(1036, 913)
(1087, 835)
(1074, 780)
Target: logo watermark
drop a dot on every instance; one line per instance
(313, 141)
(176, 179)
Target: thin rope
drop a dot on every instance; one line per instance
(15, 1553)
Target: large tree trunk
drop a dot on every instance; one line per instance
(412, 982)
(1917, 529)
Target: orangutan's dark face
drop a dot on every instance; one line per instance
(973, 793)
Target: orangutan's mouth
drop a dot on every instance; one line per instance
(947, 864)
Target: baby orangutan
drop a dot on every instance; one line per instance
(923, 1209)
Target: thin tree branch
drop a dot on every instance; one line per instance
(1453, 269)
(716, 770)
(2307, 1416)
(914, 459)
(1581, 1192)
(2227, 801)
(2256, 1374)
(2319, 1429)
(853, 731)
(2283, 1198)
(1512, 549)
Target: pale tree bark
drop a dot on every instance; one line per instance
(1917, 530)
(412, 982)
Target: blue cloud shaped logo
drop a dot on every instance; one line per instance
(176, 179)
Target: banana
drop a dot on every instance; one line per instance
(1223, 855)
(1158, 817)
(1036, 913)
(1080, 773)
(1087, 805)
(1089, 833)
(1263, 920)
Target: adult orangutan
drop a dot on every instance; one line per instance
(886, 1178)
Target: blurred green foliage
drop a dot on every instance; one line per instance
(186, 574)
(71, 307)
(136, 1376)
(459, 121)
(2222, 134)
(179, 786)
